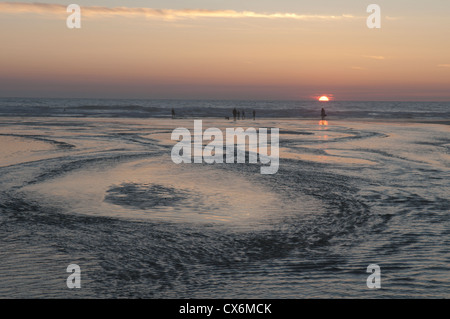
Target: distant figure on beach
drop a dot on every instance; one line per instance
(323, 114)
(243, 115)
(239, 115)
(254, 115)
(173, 113)
(234, 114)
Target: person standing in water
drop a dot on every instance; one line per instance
(254, 115)
(173, 113)
(323, 114)
(234, 114)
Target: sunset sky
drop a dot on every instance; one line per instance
(226, 49)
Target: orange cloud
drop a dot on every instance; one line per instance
(375, 57)
(168, 14)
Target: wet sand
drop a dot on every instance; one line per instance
(105, 194)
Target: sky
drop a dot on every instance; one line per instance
(214, 49)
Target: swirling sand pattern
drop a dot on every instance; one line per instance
(104, 194)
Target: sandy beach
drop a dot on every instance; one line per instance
(104, 193)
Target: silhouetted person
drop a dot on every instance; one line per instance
(254, 115)
(173, 113)
(323, 114)
(243, 115)
(234, 114)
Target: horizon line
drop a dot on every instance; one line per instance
(217, 99)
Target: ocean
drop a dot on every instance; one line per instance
(91, 182)
(139, 108)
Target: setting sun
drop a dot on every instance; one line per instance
(324, 98)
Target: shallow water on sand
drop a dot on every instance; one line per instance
(103, 193)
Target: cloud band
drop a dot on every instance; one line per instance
(166, 14)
